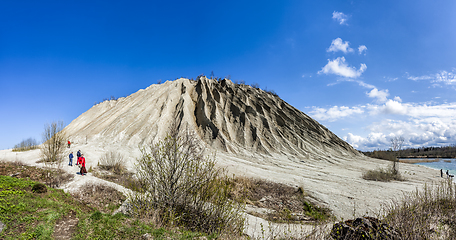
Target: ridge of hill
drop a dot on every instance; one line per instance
(228, 117)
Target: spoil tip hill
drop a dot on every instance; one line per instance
(254, 133)
(228, 117)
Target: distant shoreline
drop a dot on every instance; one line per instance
(418, 160)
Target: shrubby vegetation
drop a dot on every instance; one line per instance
(112, 161)
(179, 186)
(429, 152)
(384, 175)
(425, 214)
(25, 145)
(428, 213)
(52, 151)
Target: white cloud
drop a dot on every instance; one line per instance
(339, 45)
(339, 67)
(380, 95)
(442, 77)
(361, 49)
(374, 140)
(340, 17)
(390, 79)
(334, 113)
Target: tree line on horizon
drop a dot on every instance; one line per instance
(421, 152)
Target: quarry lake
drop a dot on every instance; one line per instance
(443, 163)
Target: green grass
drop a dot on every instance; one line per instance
(29, 215)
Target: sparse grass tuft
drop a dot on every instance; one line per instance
(112, 161)
(286, 203)
(426, 214)
(383, 175)
(101, 197)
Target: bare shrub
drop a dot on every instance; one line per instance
(112, 161)
(425, 214)
(52, 150)
(181, 186)
(53, 142)
(383, 175)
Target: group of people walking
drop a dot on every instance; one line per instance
(80, 162)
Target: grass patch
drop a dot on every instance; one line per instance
(55, 214)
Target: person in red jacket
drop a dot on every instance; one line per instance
(69, 143)
(83, 165)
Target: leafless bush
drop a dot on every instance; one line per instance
(184, 188)
(112, 161)
(52, 150)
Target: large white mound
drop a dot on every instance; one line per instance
(253, 132)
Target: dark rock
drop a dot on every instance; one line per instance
(364, 228)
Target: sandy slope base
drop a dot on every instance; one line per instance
(334, 183)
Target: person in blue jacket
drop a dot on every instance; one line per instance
(71, 159)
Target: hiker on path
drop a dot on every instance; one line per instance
(71, 159)
(78, 154)
(69, 143)
(83, 164)
(448, 174)
(441, 172)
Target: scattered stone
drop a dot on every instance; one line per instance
(147, 236)
(364, 228)
(125, 209)
(2, 225)
(15, 174)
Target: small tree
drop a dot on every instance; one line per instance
(396, 145)
(182, 187)
(52, 149)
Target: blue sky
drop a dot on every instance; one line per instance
(367, 70)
